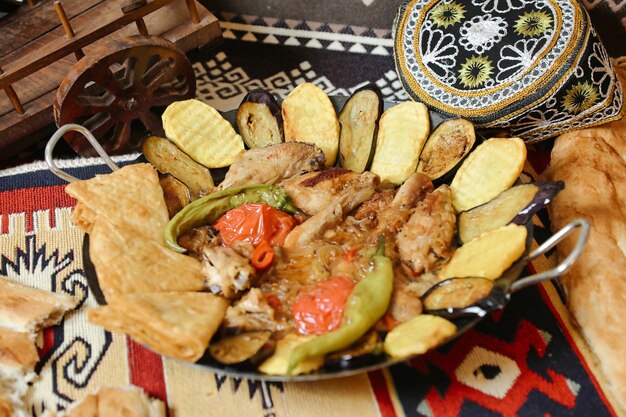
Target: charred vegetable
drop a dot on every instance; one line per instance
(309, 116)
(369, 343)
(490, 169)
(515, 205)
(451, 141)
(456, 293)
(176, 194)
(167, 158)
(259, 119)
(488, 255)
(240, 348)
(359, 120)
(209, 208)
(402, 132)
(278, 363)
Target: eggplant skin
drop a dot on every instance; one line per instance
(259, 119)
(359, 127)
(446, 147)
(545, 194)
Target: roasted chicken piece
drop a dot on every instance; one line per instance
(314, 227)
(251, 313)
(274, 163)
(316, 191)
(392, 218)
(428, 235)
(227, 273)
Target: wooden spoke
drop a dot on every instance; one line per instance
(120, 84)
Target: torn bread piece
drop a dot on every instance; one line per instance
(175, 324)
(130, 197)
(27, 309)
(115, 402)
(18, 356)
(129, 263)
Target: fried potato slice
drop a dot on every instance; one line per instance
(169, 159)
(309, 116)
(130, 197)
(418, 335)
(490, 169)
(402, 133)
(202, 133)
(487, 255)
(175, 324)
(278, 363)
(128, 263)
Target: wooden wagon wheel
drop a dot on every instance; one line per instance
(118, 91)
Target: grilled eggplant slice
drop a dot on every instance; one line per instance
(451, 141)
(359, 122)
(167, 158)
(515, 205)
(402, 132)
(241, 347)
(490, 169)
(259, 119)
(309, 116)
(176, 194)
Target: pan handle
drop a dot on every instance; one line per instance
(87, 134)
(562, 267)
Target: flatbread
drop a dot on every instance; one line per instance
(17, 351)
(128, 263)
(6, 407)
(27, 309)
(592, 163)
(130, 197)
(175, 324)
(115, 402)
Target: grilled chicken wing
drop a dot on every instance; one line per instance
(314, 227)
(316, 191)
(274, 163)
(227, 272)
(427, 237)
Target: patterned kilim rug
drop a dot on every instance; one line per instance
(524, 361)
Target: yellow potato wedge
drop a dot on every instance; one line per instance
(309, 116)
(402, 132)
(488, 255)
(277, 364)
(202, 133)
(490, 169)
(418, 335)
(167, 158)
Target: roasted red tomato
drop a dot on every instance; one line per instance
(319, 309)
(255, 223)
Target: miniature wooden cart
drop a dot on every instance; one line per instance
(41, 43)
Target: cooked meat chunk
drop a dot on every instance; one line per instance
(427, 237)
(314, 227)
(370, 208)
(274, 163)
(314, 192)
(414, 189)
(251, 313)
(405, 300)
(227, 272)
(196, 239)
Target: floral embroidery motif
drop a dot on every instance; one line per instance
(439, 53)
(482, 32)
(475, 71)
(517, 57)
(533, 23)
(447, 14)
(500, 6)
(602, 73)
(580, 97)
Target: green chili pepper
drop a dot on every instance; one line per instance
(366, 304)
(209, 208)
